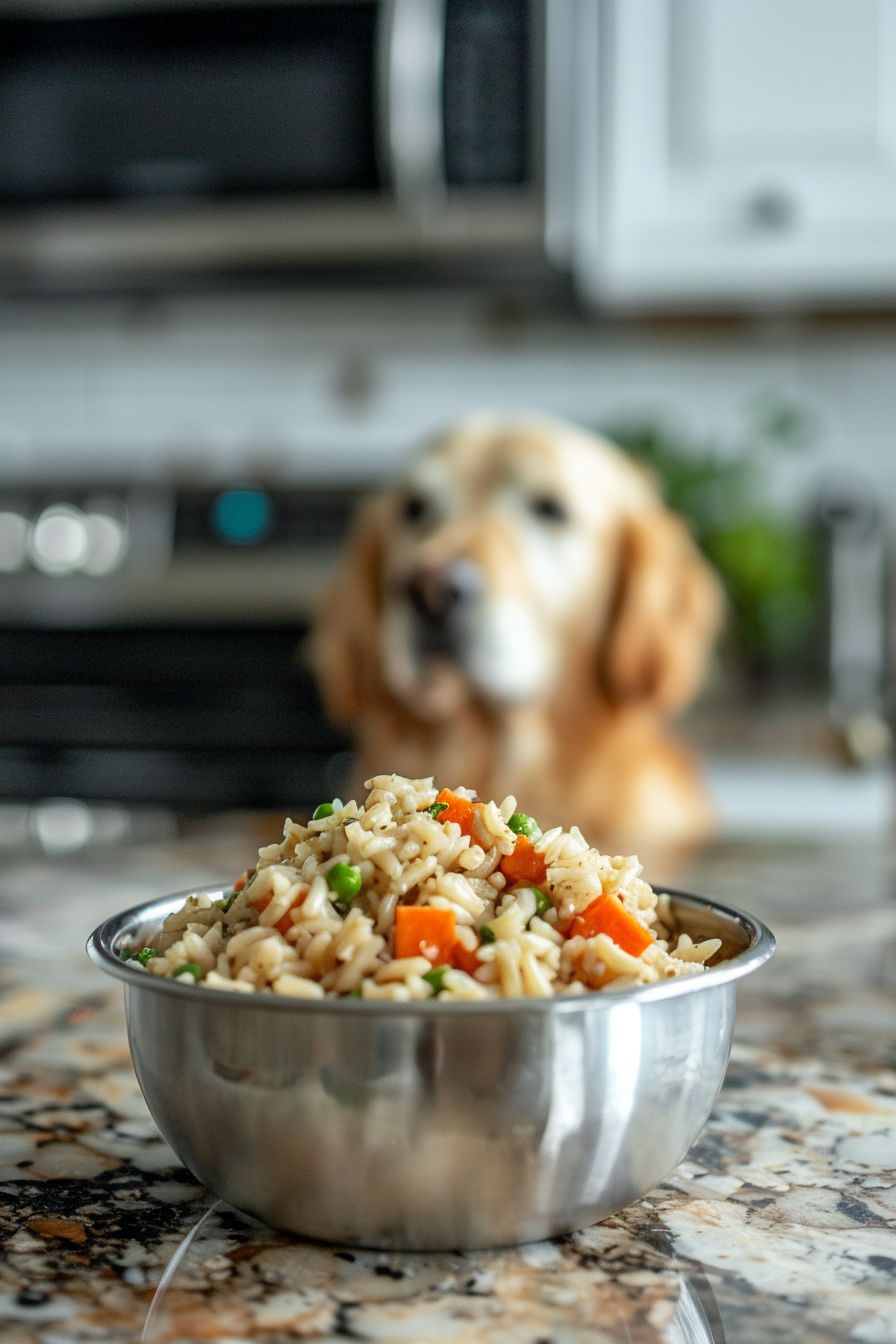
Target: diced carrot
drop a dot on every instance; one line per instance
(456, 808)
(424, 930)
(525, 864)
(284, 923)
(464, 959)
(608, 915)
(242, 880)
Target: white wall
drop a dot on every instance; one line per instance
(329, 386)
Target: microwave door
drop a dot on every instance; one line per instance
(235, 136)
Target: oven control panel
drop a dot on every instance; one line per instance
(88, 557)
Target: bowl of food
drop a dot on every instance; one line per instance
(422, 1023)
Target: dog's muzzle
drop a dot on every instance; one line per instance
(442, 599)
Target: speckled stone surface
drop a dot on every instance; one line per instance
(778, 1226)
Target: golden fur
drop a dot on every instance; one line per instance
(586, 627)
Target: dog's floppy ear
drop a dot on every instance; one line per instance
(344, 649)
(665, 614)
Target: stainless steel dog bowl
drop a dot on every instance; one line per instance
(430, 1126)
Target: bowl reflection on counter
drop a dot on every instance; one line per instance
(679, 1309)
(427, 1126)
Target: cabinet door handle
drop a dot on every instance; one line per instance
(771, 210)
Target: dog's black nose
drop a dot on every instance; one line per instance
(439, 594)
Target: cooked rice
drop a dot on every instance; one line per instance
(286, 933)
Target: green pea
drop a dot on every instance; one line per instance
(344, 879)
(542, 900)
(522, 824)
(189, 968)
(227, 901)
(146, 955)
(436, 978)
(356, 993)
(436, 809)
(326, 809)
(486, 934)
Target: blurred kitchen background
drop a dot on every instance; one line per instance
(251, 253)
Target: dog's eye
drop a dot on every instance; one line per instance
(548, 509)
(414, 508)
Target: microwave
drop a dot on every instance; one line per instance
(153, 139)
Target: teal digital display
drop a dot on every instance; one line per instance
(242, 517)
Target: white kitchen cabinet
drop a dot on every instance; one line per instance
(745, 152)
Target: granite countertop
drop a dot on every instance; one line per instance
(779, 1225)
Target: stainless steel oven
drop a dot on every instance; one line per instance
(151, 645)
(152, 138)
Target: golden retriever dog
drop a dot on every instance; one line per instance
(522, 614)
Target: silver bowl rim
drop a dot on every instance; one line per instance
(101, 945)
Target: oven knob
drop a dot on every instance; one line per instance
(242, 516)
(107, 542)
(59, 540)
(13, 542)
